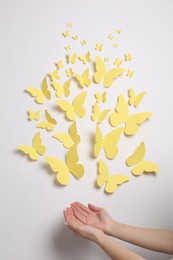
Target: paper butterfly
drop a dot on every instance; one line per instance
(60, 64)
(85, 59)
(40, 94)
(49, 124)
(69, 24)
(68, 139)
(106, 59)
(75, 37)
(76, 108)
(121, 115)
(84, 79)
(127, 57)
(142, 166)
(83, 42)
(115, 45)
(69, 72)
(118, 62)
(34, 115)
(110, 36)
(65, 34)
(98, 115)
(100, 97)
(108, 143)
(63, 169)
(135, 99)
(67, 48)
(71, 59)
(99, 47)
(54, 75)
(35, 149)
(118, 31)
(61, 89)
(130, 73)
(108, 76)
(111, 182)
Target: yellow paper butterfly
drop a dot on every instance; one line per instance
(108, 76)
(85, 59)
(108, 143)
(135, 99)
(118, 62)
(40, 94)
(63, 169)
(34, 115)
(99, 47)
(60, 64)
(65, 34)
(68, 139)
(115, 45)
(71, 59)
(69, 24)
(76, 108)
(84, 79)
(83, 42)
(35, 149)
(110, 36)
(130, 73)
(118, 31)
(54, 75)
(69, 72)
(67, 48)
(98, 115)
(111, 182)
(141, 166)
(100, 97)
(75, 37)
(49, 124)
(127, 57)
(121, 115)
(62, 89)
(106, 59)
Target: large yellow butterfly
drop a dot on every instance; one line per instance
(111, 182)
(40, 94)
(84, 79)
(71, 59)
(108, 76)
(49, 124)
(98, 115)
(85, 59)
(100, 97)
(108, 143)
(75, 108)
(61, 89)
(68, 139)
(35, 149)
(142, 166)
(63, 169)
(121, 115)
(34, 115)
(135, 99)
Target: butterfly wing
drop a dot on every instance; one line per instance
(145, 167)
(79, 80)
(111, 75)
(132, 96)
(78, 104)
(37, 144)
(139, 98)
(34, 115)
(98, 141)
(73, 133)
(115, 180)
(110, 141)
(30, 151)
(66, 88)
(137, 156)
(67, 108)
(37, 93)
(121, 112)
(134, 121)
(60, 168)
(103, 115)
(103, 173)
(45, 89)
(64, 138)
(58, 87)
(85, 77)
(100, 70)
(49, 118)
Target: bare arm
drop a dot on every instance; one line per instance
(154, 239)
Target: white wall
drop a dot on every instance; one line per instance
(31, 220)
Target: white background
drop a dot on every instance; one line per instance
(31, 219)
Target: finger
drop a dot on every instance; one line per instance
(79, 209)
(94, 208)
(79, 216)
(83, 207)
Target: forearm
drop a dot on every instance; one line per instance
(114, 250)
(154, 239)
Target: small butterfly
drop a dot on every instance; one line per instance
(65, 34)
(62, 89)
(118, 62)
(106, 59)
(63, 169)
(75, 37)
(98, 115)
(54, 75)
(100, 97)
(68, 139)
(115, 45)
(108, 143)
(69, 72)
(99, 47)
(84, 79)
(67, 47)
(34, 115)
(110, 36)
(36, 148)
(76, 108)
(127, 57)
(60, 64)
(85, 59)
(118, 31)
(135, 99)
(71, 59)
(130, 73)
(69, 24)
(83, 42)
(40, 94)
(49, 124)
(142, 166)
(111, 182)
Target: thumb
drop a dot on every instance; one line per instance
(93, 207)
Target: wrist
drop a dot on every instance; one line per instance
(114, 229)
